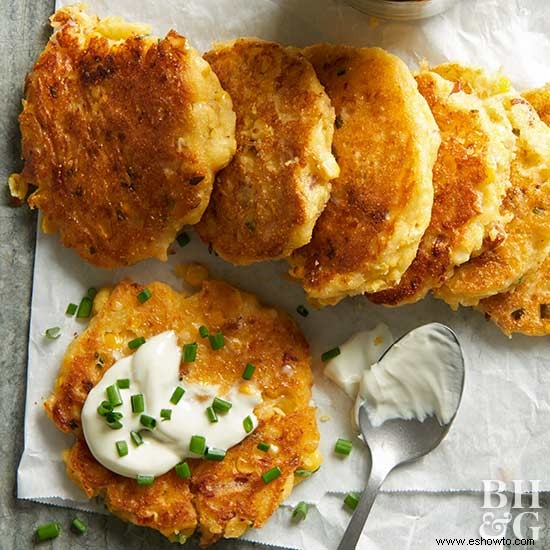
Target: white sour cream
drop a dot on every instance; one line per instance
(419, 376)
(356, 355)
(153, 370)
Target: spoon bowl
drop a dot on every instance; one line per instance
(398, 441)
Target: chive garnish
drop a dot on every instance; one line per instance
(91, 292)
(248, 425)
(300, 512)
(177, 395)
(302, 311)
(147, 421)
(220, 405)
(190, 352)
(136, 342)
(121, 448)
(343, 446)
(211, 413)
(136, 438)
(263, 446)
(197, 444)
(47, 532)
(113, 395)
(113, 420)
(248, 371)
(183, 470)
(85, 308)
(166, 414)
(138, 403)
(104, 408)
(78, 526)
(183, 239)
(214, 454)
(123, 383)
(53, 333)
(203, 331)
(144, 480)
(303, 473)
(71, 309)
(271, 475)
(144, 295)
(352, 500)
(330, 354)
(216, 341)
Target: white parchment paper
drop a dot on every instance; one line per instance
(502, 430)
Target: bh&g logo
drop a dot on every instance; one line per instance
(495, 497)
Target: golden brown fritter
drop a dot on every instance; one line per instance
(526, 204)
(470, 178)
(265, 203)
(385, 142)
(220, 499)
(122, 136)
(526, 308)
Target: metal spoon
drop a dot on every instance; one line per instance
(397, 442)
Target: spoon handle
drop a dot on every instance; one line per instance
(355, 526)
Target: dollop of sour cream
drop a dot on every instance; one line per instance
(419, 376)
(153, 371)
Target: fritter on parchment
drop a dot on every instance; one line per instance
(122, 135)
(385, 142)
(265, 203)
(470, 177)
(220, 499)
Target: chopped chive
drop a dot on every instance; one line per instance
(71, 309)
(183, 239)
(104, 408)
(136, 438)
(121, 448)
(91, 292)
(203, 331)
(78, 526)
(138, 403)
(302, 311)
(330, 354)
(113, 420)
(113, 395)
(197, 444)
(136, 342)
(303, 473)
(85, 308)
(48, 531)
(271, 475)
(53, 333)
(263, 446)
(220, 405)
(343, 446)
(190, 352)
(144, 295)
(166, 414)
(144, 480)
(352, 500)
(216, 340)
(214, 454)
(147, 421)
(248, 425)
(300, 512)
(123, 383)
(248, 371)
(183, 470)
(177, 395)
(211, 413)
(181, 538)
